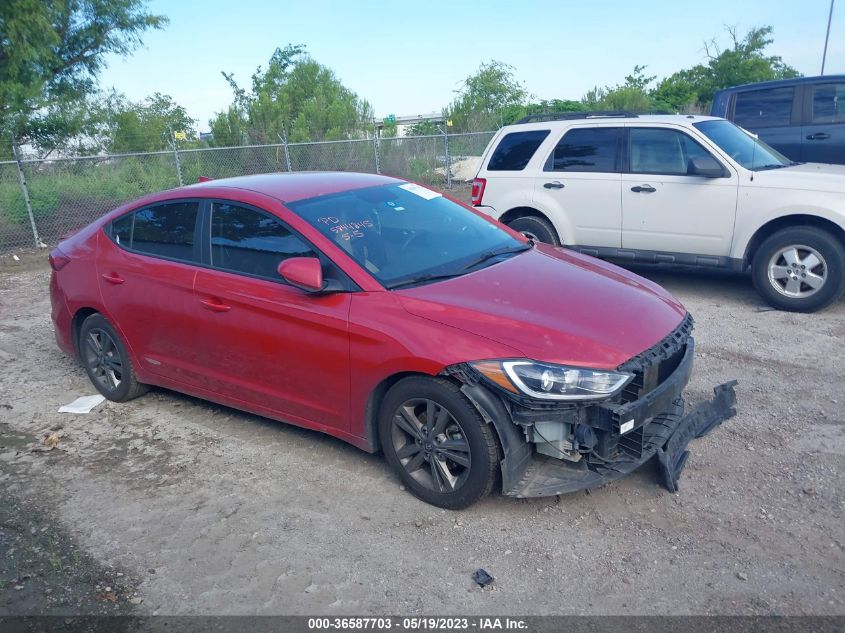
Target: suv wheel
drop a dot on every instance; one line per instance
(437, 442)
(801, 269)
(535, 228)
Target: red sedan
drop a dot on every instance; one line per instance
(392, 317)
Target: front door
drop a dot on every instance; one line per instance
(824, 131)
(666, 210)
(263, 342)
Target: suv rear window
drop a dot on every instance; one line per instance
(764, 108)
(515, 150)
(587, 149)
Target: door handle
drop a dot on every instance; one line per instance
(643, 189)
(554, 185)
(818, 136)
(113, 278)
(215, 305)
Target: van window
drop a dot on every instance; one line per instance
(587, 149)
(515, 150)
(769, 107)
(829, 103)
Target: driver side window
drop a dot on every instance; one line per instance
(663, 151)
(246, 241)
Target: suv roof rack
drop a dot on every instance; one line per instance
(562, 116)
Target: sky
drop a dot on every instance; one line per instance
(409, 58)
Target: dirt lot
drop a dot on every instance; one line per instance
(171, 505)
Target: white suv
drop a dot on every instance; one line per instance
(683, 190)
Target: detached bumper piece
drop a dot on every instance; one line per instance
(666, 436)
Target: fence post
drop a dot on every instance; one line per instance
(448, 160)
(176, 156)
(375, 146)
(283, 137)
(25, 192)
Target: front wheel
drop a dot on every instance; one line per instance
(436, 441)
(800, 269)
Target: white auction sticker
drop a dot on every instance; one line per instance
(627, 426)
(422, 192)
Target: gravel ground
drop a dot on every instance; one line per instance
(171, 505)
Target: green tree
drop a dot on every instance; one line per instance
(51, 52)
(632, 96)
(145, 126)
(486, 98)
(743, 61)
(295, 94)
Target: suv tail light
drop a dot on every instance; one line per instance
(478, 191)
(58, 259)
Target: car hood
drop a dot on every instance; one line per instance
(554, 305)
(812, 176)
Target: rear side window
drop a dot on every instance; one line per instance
(829, 103)
(247, 241)
(587, 149)
(764, 108)
(515, 150)
(662, 151)
(165, 230)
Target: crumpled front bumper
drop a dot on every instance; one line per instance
(667, 436)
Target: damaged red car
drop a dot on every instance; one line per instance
(394, 318)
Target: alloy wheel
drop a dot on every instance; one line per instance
(103, 359)
(797, 271)
(430, 445)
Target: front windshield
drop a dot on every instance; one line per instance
(405, 234)
(748, 151)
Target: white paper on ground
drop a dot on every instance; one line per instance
(83, 404)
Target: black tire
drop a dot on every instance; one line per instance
(784, 285)
(104, 356)
(420, 462)
(539, 229)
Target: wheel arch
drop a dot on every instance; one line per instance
(371, 411)
(76, 325)
(520, 212)
(790, 221)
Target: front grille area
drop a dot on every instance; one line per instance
(656, 364)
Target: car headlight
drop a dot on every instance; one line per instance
(546, 381)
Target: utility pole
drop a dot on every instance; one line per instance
(827, 35)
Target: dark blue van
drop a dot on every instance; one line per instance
(803, 118)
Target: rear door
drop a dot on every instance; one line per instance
(665, 209)
(261, 341)
(824, 128)
(774, 114)
(579, 186)
(146, 267)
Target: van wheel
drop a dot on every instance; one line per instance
(437, 443)
(105, 359)
(800, 269)
(535, 228)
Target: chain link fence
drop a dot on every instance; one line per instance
(67, 193)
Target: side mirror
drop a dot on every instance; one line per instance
(705, 166)
(303, 272)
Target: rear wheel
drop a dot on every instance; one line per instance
(801, 269)
(536, 228)
(105, 359)
(436, 441)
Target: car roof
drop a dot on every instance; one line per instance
(290, 187)
(774, 83)
(684, 119)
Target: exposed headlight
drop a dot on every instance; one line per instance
(552, 382)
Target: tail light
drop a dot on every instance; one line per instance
(478, 191)
(58, 259)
